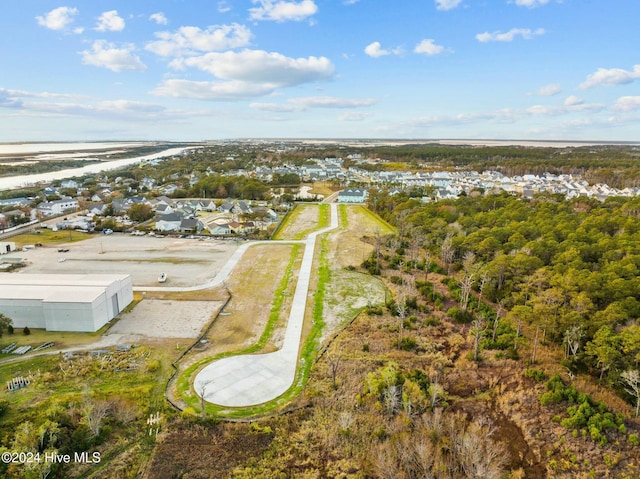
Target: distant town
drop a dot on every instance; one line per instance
(159, 204)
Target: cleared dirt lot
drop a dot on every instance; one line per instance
(187, 262)
(166, 319)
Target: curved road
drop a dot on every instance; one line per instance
(222, 275)
(247, 380)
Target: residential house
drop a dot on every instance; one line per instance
(191, 225)
(51, 208)
(219, 229)
(170, 222)
(98, 209)
(353, 195)
(72, 184)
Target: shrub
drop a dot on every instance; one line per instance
(153, 366)
(26, 331)
(431, 321)
(459, 316)
(535, 374)
(408, 344)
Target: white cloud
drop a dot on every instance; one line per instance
(260, 67)
(305, 103)
(353, 116)
(159, 18)
(332, 102)
(350, 2)
(245, 74)
(281, 11)
(223, 7)
(107, 55)
(275, 107)
(547, 90)
(627, 103)
(611, 77)
(110, 22)
(531, 3)
(428, 47)
(546, 110)
(44, 94)
(509, 36)
(58, 18)
(8, 99)
(572, 104)
(447, 4)
(190, 40)
(375, 50)
(573, 101)
(215, 91)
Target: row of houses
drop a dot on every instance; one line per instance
(450, 184)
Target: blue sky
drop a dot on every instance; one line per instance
(426, 69)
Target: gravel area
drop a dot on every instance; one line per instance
(166, 319)
(187, 262)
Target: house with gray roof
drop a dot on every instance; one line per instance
(353, 195)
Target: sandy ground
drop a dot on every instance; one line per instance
(305, 217)
(166, 319)
(187, 262)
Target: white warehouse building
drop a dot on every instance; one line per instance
(64, 302)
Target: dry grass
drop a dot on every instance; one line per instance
(303, 218)
(252, 286)
(322, 188)
(213, 294)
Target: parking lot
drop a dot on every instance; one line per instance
(187, 262)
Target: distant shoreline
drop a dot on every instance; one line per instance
(22, 181)
(375, 142)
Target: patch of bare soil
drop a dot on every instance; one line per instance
(252, 285)
(303, 218)
(204, 451)
(167, 319)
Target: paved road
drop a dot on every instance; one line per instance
(222, 275)
(241, 381)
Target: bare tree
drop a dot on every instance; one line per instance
(631, 377)
(436, 394)
(95, 412)
(202, 389)
(427, 263)
(392, 398)
(477, 329)
(535, 345)
(470, 271)
(401, 307)
(334, 365)
(447, 251)
(572, 338)
(484, 279)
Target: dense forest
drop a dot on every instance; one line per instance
(566, 269)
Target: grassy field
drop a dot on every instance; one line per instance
(302, 220)
(46, 236)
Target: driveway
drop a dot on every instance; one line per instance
(247, 380)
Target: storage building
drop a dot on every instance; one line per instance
(67, 302)
(7, 247)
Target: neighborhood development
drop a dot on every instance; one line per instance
(347, 309)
